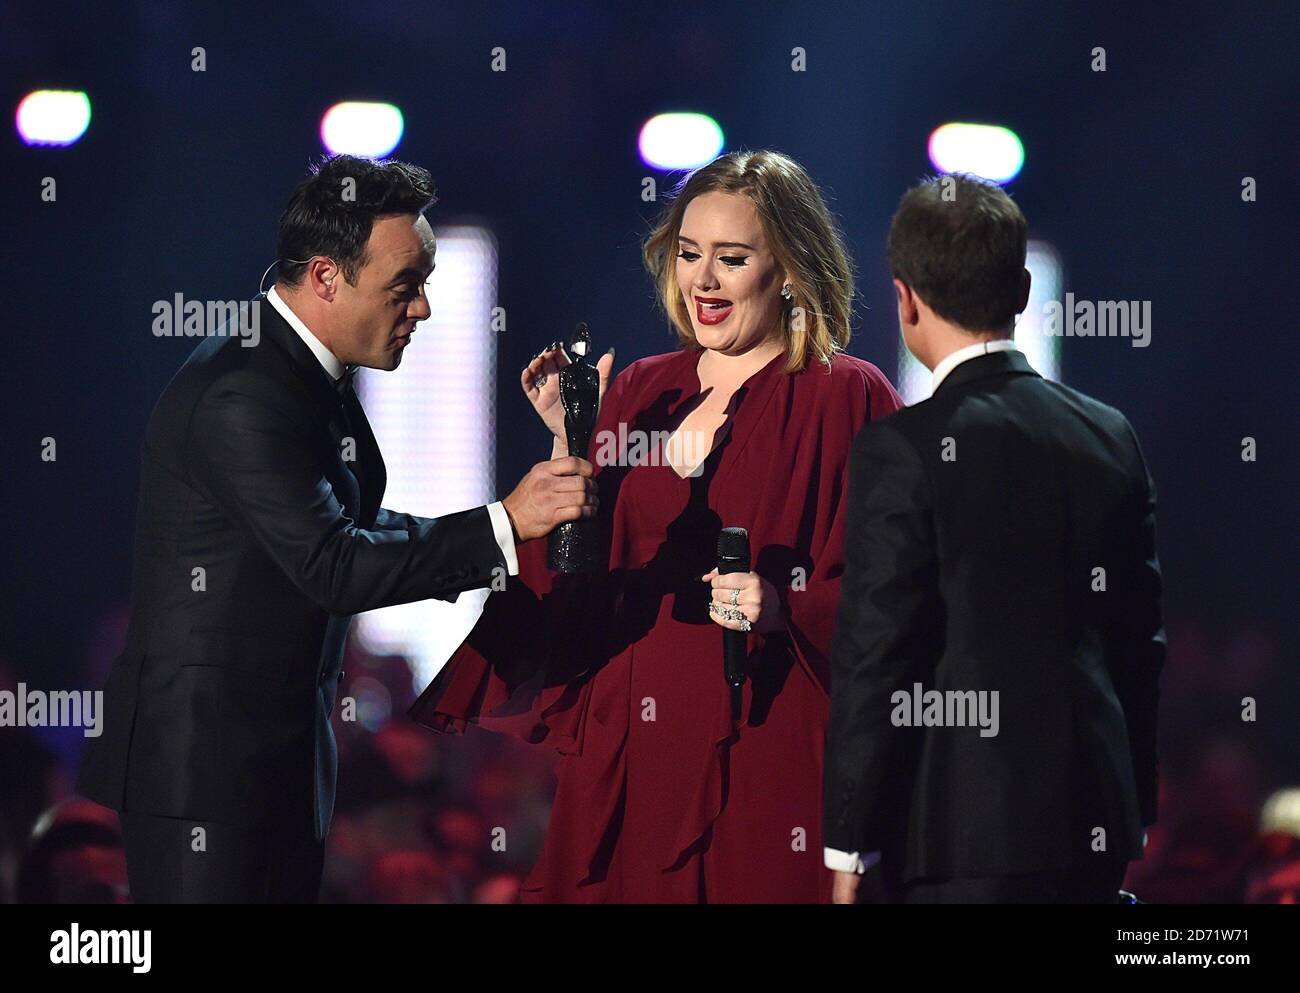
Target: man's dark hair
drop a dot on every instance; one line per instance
(959, 243)
(332, 211)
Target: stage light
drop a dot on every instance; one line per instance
(435, 421)
(680, 141)
(53, 117)
(1047, 282)
(1042, 350)
(355, 128)
(984, 150)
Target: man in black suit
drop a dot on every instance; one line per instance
(999, 636)
(259, 534)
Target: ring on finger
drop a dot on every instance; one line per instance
(735, 597)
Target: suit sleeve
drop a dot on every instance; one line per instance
(1137, 644)
(393, 520)
(886, 635)
(257, 464)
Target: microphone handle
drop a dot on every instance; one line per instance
(734, 645)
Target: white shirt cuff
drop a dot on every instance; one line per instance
(505, 536)
(839, 861)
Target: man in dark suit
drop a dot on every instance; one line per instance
(999, 636)
(259, 534)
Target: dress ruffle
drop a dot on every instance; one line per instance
(510, 675)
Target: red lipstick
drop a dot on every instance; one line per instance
(712, 310)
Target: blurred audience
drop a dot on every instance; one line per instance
(1273, 870)
(75, 856)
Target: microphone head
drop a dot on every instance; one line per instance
(733, 547)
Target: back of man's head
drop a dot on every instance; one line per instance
(959, 243)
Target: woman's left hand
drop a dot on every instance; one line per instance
(541, 382)
(754, 597)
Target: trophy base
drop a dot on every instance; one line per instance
(574, 547)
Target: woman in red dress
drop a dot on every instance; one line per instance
(663, 794)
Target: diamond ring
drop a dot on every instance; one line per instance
(726, 612)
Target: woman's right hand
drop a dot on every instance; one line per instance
(541, 382)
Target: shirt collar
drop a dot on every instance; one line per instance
(328, 360)
(953, 360)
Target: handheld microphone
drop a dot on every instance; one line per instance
(733, 556)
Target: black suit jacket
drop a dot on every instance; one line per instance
(976, 522)
(218, 709)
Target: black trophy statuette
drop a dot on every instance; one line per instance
(574, 546)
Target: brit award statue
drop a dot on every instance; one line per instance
(574, 546)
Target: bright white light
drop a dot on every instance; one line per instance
(1048, 283)
(435, 420)
(1042, 350)
(355, 128)
(680, 141)
(53, 117)
(984, 150)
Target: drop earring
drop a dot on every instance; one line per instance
(787, 294)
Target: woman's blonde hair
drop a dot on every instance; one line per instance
(804, 240)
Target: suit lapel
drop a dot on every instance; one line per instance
(305, 364)
(341, 414)
(369, 468)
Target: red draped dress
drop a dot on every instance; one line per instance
(662, 796)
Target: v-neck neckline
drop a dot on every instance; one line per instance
(748, 403)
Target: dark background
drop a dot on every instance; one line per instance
(1133, 174)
